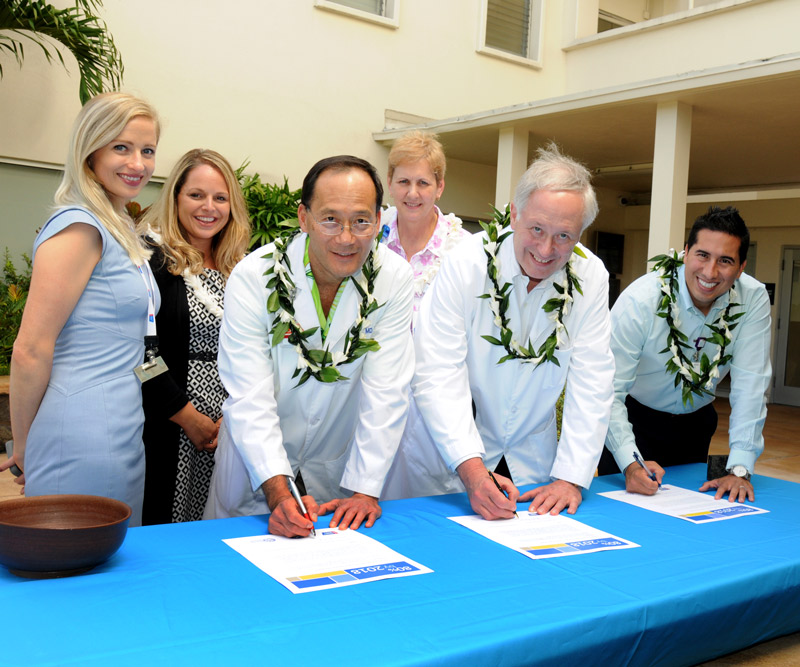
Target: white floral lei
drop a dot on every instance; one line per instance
(558, 307)
(452, 238)
(319, 364)
(201, 293)
(193, 281)
(697, 377)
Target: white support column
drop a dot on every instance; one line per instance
(670, 177)
(512, 161)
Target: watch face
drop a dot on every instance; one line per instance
(739, 471)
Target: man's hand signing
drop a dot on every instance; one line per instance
(637, 480)
(285, 518)
(484, 496)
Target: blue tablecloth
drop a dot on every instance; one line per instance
(177, 595)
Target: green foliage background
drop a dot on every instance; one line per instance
(13, 294)
(272, 207)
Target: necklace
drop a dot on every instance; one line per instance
(697, 377)
(319, 364)
(557, 308)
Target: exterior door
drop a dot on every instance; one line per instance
(787, 363)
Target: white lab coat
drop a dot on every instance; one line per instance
(515, 401)
(341, 435)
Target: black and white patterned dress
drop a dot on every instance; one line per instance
(205, 391)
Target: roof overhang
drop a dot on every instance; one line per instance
(745, 130)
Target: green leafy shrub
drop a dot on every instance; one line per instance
(13, 294)
(272, 207)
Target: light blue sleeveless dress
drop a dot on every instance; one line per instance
(87, 434)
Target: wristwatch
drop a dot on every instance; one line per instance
(739, 471)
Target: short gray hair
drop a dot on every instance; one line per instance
(552, 170)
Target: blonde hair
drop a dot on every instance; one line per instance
(415, 146)
(100, 121)
(230, 243)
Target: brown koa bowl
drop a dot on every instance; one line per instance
(45, 537)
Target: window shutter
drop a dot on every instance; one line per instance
(508, 25)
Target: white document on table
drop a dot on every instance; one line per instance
(684, 504)
(544, 536)
(332, 559)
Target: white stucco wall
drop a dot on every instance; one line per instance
(698, 41)
(279, 82)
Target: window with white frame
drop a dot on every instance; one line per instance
(512, 29)
(383, 12)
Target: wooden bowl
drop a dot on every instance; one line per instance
(44, 537)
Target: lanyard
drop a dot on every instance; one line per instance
(324, 322)
(151, 302)
(153, 364)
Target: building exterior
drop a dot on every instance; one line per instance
(677, 104)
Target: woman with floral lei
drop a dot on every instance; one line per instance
(414, 227)
(76, 402)
(417, 230)
(200, 228)
(676, 332)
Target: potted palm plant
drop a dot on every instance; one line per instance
(77, 28)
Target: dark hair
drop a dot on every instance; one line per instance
(340, 163)
(726, 220)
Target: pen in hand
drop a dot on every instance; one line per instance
(300, 504)
(647, 470)
(500, 489)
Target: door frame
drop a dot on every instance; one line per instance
(781, 393)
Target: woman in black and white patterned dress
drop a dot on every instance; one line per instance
(201, 229)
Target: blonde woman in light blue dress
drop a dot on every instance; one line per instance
(75, 400)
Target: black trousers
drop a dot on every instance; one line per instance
(668, 439)
(502, 468)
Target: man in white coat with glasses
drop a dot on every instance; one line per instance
(316, 355)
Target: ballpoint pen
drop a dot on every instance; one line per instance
(647, 470)
(301, 505)
(500, 489)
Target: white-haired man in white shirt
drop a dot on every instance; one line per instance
(514, 317)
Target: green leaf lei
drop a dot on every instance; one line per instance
(557, 307)
(322, 365)
(698, 377)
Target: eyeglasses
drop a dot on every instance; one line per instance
(331, 226)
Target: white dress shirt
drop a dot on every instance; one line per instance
(341, 435)
(515, 401)
(638, 337)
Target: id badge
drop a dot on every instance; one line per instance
(150, 369)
